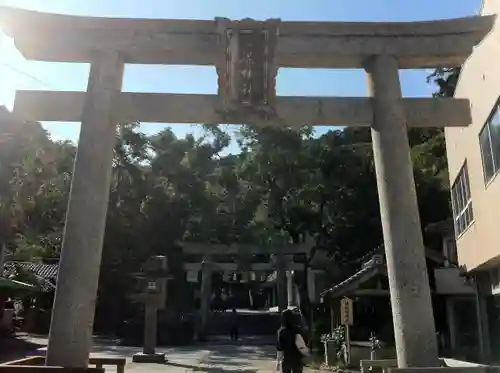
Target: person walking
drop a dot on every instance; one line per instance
(290, 345)
(233, 331)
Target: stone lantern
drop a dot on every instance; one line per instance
(153, 281)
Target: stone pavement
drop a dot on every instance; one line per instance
(250, 355)
(231, 358)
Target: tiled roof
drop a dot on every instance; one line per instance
(370, 268)
(45, 272)
(335, 289)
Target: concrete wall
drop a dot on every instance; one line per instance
(449, 281)
(480, 82)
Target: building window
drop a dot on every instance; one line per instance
(461, 201)
(489, 141)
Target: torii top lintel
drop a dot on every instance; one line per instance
(64, 38)
(193, 248)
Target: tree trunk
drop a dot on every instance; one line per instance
(3, 252)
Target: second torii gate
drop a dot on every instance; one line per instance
(281, 261)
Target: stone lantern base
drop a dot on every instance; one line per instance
(158, 358)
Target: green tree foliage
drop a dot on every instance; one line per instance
(446, 80)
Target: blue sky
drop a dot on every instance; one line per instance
(18, 73)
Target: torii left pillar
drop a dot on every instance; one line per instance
(70, 335)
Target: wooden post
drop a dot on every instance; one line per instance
(311, 284)
(206, 292)
(290, 289)
(281, 281)
(332, 319)
(347, 345)
(347, 319)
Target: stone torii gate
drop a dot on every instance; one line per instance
(247, 55)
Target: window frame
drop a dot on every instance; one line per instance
(491, 151)
(461, 201)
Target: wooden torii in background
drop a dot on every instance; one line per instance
(281, 261)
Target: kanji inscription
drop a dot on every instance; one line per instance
(252, 68)
(247, 70)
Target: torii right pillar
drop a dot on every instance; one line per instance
(413, 318)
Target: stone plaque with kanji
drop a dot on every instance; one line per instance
(247, 68)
